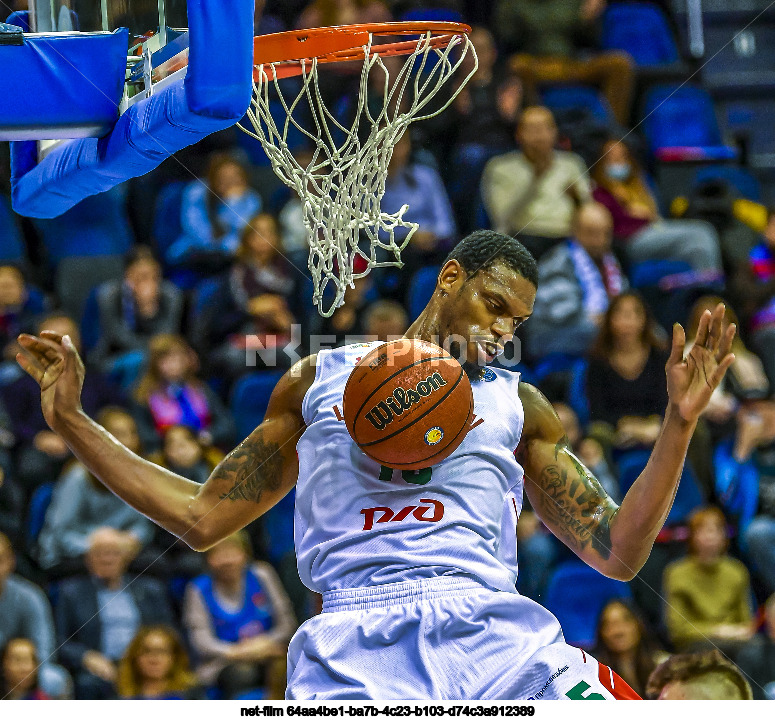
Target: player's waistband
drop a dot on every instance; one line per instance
(396, 594)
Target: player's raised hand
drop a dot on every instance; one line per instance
(692, 379)
(55, 364)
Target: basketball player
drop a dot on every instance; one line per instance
(418, 571)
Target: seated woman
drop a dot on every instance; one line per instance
(80, 504)
(626, 377)
(155, 666)
(708, 593)
(183, 452)
(213, 215)
(625, 645)
(239, 619)
(19, 665)
(170, 394)
(253, 307)
(641, 232)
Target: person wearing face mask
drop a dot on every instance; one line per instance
(640, 231)
(707, 594)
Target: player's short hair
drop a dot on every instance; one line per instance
(484, 248)
(709, 673)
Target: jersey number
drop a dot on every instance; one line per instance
(577, 693)
(419, 478)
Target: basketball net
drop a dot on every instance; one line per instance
(342, 186)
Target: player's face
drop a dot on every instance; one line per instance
(481, 313)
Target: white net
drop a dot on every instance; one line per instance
(342, 186)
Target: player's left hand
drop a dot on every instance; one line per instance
(691, 380)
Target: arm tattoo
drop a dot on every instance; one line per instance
(575, 504)
(253, 467)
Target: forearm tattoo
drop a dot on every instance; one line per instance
(252, 467)
(574, 504)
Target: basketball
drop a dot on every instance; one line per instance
(408, 404)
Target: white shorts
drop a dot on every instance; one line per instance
(441, 638)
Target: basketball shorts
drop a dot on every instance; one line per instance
(442, 638)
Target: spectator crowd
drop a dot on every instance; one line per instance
(183, 312)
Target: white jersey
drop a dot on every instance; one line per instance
(358, 524)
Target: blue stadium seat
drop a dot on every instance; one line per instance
(249, 399)
(11, 246)
(76, 276)
(577, 393)
(421, 289)
(435, 14)
(98, 225)
(36, 511)
(90, 321)
(567, 97)
(576, 596)
(683, 117)
(650, 272)
(166, 218)
(640, 29)
(278, 528)
(739, 178)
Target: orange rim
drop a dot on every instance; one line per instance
(341, 43)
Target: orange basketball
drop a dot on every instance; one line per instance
(408, 404)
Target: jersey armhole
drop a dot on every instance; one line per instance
(305, 410)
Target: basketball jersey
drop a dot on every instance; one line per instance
(360, 524)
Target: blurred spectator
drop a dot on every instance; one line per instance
(17, 308)
(347, 320)
(170, 394)
(41, 453)
(80, 504)
(19, 665)
(25, 613)
(155, 666)
(745, 470)
(251, 309)
(589, 450)
(238, 617)
(323, 13)
(385, 320)
(213, 215)
(420, 187)
(576, 281)
(643, 234)
(131, 312)
(535, 191)
(698, 677)
(183, 453)
(755, 286)
(554, 37)
(625, 645)
(757, 659)
(481, 123)
(98, 615)
(708, 594)
(11, 504)
(626, 377)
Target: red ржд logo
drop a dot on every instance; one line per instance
(430, 514)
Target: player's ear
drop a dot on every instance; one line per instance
(451, 277)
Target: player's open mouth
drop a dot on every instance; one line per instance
(489, 350)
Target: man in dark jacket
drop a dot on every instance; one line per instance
(98, 615)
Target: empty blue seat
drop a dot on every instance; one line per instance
(166, 217)
(421, 289)
(433, 14)
(249, 400)
(36, 512)
(90, 321)
(11, 247)
(650, 272)
(642, 31)
(576, 596)
(683, 117)
(567, 97)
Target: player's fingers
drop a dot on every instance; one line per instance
(51, 335)
(722, 368)
(679, 342)
(72, 359)
(702, 330)
(714, 329)
(42, 348)
(726, 342)
(31, 365)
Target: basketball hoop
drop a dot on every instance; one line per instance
(341, 187)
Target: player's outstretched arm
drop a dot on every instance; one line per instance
(249, 481)
(568, 498)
